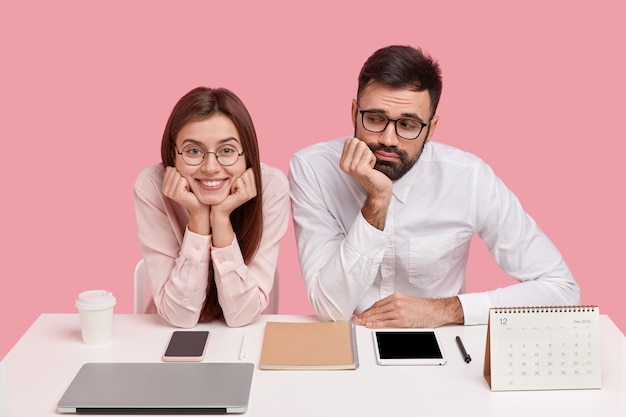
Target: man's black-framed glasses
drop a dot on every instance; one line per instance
(406, 127)
(226, 155)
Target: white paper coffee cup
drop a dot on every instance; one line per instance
(95, 309)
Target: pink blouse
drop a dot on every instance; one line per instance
(177, 260)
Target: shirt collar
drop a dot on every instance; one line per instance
(403, 186)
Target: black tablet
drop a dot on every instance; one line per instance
(408, 347)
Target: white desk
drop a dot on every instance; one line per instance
(43, 362)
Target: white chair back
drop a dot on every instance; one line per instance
(3, 389)
(142, 288)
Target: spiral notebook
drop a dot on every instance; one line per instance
(543, 348)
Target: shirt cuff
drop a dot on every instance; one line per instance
(228, 258)
(195, 246)
(475, 307)
(367, 240)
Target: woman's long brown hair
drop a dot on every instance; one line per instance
(247, 220)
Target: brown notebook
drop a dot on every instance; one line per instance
(315, 346)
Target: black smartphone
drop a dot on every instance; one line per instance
(186, 346)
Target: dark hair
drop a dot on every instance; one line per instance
(403, 67)
(247, 220)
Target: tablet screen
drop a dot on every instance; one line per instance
(408, 347)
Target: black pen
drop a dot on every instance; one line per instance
(466, 357)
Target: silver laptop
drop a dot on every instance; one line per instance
(159, 388)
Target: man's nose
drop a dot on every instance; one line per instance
(388, 136)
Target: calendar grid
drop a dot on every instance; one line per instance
(544, 348)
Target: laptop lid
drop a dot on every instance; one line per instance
(159, 388)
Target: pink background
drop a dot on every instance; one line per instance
(536, 88)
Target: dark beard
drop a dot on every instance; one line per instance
(395, 171)
(391, 170)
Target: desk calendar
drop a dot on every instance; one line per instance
(543, 348)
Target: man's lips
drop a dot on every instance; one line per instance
(386, 156)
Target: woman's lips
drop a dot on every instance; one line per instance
(211, 183)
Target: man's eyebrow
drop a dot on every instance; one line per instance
(404, 115)
(412, 116)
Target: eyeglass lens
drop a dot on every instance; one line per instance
(226, 155)
(405, 128)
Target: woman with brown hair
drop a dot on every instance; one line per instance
(210, 216)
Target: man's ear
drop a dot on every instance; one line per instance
(355, 108)
(432, 127)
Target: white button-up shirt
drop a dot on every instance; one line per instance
(436, 208)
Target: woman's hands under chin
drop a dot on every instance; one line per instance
(241, 191)
(176, 187)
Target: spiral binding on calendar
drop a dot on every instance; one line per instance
(546, 309)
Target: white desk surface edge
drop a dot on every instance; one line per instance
(43, 362)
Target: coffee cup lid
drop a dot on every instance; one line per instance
(95, 300)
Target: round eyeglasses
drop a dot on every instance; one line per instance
(226, 155)
(406, 127)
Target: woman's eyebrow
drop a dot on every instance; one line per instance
(228, 139)
(219, 142)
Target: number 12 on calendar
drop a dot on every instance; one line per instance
(543, 348)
